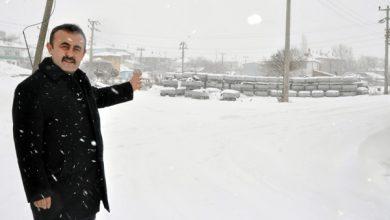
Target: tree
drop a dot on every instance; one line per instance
(100, 69)
(275, 66)
(10, 38)
(346, 55)
(207, 65)
(367, 63)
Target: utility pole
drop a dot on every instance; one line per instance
(92, 26)
(223, 67)
(215, 62)
(42, 34)
(222, 55)
(386, 19)
(286, 85)
(183, 46)
(140, 49)
(245, 59)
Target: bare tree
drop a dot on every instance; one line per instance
(346, 55)
(367, 63)
(10, 38)
(275, 66)
(207, 65)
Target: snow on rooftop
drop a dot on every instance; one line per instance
(12, 44)
(374, 75)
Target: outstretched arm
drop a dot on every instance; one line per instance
(116, 94)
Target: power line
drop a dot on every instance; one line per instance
(222, 36)
(347, 11)
(343, 14)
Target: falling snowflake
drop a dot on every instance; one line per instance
(254, 19)
(115, 91)
(82, 140)
(93, 143)
(85, 205)
(54, 177)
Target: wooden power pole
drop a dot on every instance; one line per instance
(386, 19)
(183, 46)
(42, 34)
(140, 49)
(93, 28)
(286, 84)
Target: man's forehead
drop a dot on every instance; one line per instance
(72, 38)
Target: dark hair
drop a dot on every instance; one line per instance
(71, 28)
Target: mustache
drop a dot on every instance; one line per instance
(68, 59)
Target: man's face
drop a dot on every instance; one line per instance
(67, 50)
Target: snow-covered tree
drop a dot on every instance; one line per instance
(275, 66)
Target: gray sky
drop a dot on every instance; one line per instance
(212, 27)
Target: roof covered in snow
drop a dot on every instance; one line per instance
(12, 44)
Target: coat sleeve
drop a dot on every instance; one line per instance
(28, 127)
(113, 95)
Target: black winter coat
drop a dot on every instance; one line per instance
(57, 133)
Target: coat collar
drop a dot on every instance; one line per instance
(53, 71)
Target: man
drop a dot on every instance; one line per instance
(57, 131)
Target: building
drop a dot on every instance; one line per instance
(14, 53)
(116, 57)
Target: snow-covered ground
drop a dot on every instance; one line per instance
(179, 158)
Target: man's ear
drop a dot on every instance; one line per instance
(49, 47)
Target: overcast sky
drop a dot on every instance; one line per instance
(211, 27)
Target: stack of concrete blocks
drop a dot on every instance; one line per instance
(191, 85)
(214, 81)
(170, 83)
(363, 91)
(304, 94)
(230, 95)
(325, 86)
(197, 94)
(180, 91)
(317, 93)
(273, 86)
(168, 91)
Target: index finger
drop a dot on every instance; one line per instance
(48, 202)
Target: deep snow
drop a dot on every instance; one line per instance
(180, 158)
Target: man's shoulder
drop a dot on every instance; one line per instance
(82, 74)
(83, 77)
(32, 83)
